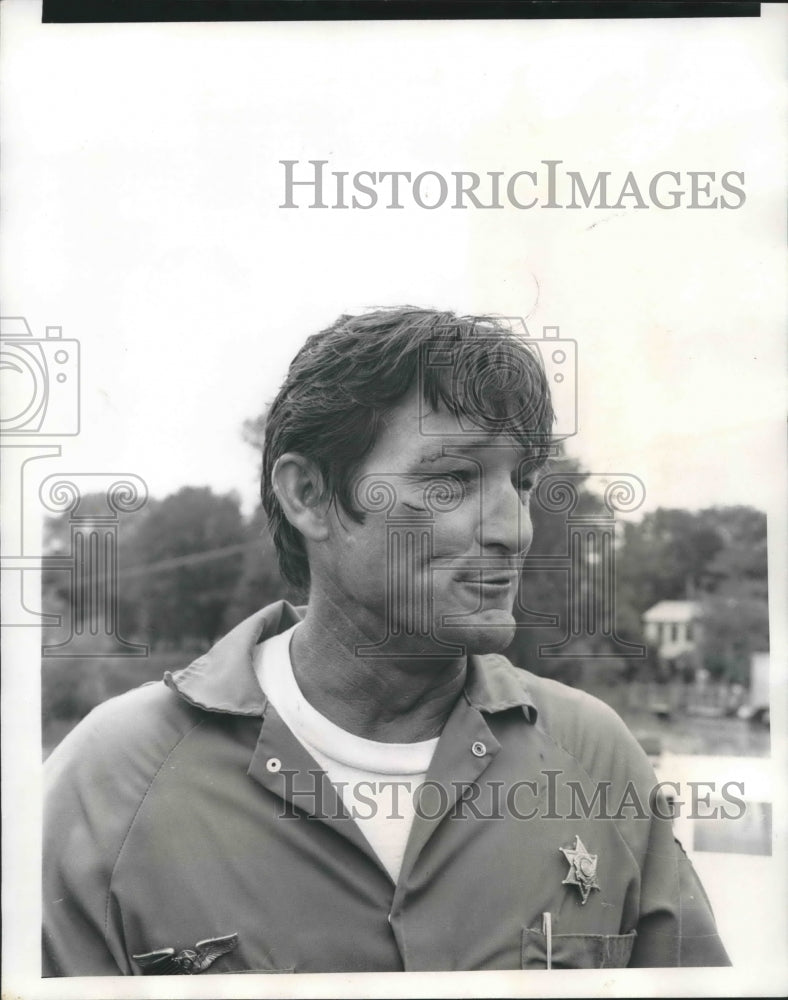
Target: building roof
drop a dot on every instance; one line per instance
(672, 611)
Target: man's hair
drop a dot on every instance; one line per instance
(345, 378)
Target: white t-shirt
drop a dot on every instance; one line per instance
(376, 781)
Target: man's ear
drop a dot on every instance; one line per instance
(298, 485)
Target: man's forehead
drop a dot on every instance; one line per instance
(415, 414)
(424, 434)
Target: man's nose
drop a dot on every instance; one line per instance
(504, 520)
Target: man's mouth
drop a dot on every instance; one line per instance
(489, 581)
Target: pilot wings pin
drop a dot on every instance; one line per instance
(188, 961)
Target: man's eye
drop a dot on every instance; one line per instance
(453, 484)
(459, 477)
(441, 492)
(526, 484)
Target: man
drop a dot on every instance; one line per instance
(366, 783)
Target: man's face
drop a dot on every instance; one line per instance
(436, 564)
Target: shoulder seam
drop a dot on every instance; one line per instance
(170, 752)
(577, 761)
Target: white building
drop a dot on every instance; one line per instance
(673, 627)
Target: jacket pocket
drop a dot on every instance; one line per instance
(576, 951)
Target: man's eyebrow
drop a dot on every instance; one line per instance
(431, 458)
(448, 454)
(464, 448)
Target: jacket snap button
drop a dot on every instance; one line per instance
(478, 749)
(273, 764)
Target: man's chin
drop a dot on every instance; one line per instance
(488, 631)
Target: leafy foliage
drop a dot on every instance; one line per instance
(260, 581)
(716, 556)
(188, 600)
(180, 560)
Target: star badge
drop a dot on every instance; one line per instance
(582, 869)
(188, 961)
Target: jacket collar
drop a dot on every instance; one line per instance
(223, 679)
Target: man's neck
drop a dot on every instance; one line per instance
(392, 700)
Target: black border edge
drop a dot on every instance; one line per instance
(132, 11)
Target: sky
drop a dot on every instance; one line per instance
(142, 187)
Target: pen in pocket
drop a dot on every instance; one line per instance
(547, 930)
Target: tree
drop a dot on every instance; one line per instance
(260, 581)
(735, 626)
(546, 594)
(716, 556)
(182, 598)
(666, 556)
(735, 611)
(741, 560)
